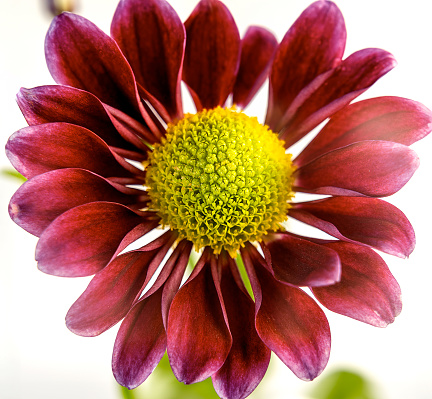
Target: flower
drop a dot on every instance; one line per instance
(220, 182)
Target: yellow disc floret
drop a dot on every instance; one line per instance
(219, 179)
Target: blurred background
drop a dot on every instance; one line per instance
(40, 358)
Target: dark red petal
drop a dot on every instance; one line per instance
(66, 189)
(115, 288)
(248, 358)
(314, 44)
(212, 54)
(140, 342)
(81, 241)
(79, 54)
(332, 91)
(37, 149)
(367, 291)
(383, 118)
(152, 38)
(257, 49)
(132, 130)
(46, 104)
(288, 320)
(372, 168)
(300, 262)
(368, 221)
(172, 284)
(198, 337)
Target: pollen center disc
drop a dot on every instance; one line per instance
(219, 179)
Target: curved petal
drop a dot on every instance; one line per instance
(300, 262)
(131, 130)
(172, 284)
(66, 189)
(393, 119)
(198, 339)
(367, 221)
(288, 320)
(367, 291)
(257, 50)
(79, 54)
(212, 54)
(348, 171)
(113, 290)
(140, 342)
(314, 44)
(248, 358)
(46, 104)
(333, 90)
(81, 241)
(37, 149)
(152, 38)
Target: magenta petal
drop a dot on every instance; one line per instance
(212, 54)
(248, 358)
(152, 38)
(367, 291)
(257, 49)
(314, 44)
(288, 320)
(369, 221)
(66, 189)
(37, 149)
(348, 171)
(79, 54)
(46, 104)
(81, 241)
(333, 90)
(383, 118)
(140, 342)
(300, 262)
(198, 337)
(115, 288)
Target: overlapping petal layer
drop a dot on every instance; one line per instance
(199, 339)
(288, 321)
(314, 44)
(257, 50)
(383, 118)
(152, 38)
(30, 210)
(299, 262)
(46, 104)
(71, 42)
(367, 290)
(367, 168)
(212, 54)
(37, 149)
(249, 357)
(82, 241)
(369, 221)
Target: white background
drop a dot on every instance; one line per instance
(41, 359)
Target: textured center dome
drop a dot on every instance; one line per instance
(219, 179)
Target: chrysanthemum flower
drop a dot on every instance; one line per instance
(111, 157)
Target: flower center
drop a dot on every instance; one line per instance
(219, 179)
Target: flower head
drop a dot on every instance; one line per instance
(112, 149)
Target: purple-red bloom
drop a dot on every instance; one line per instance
(98, 147)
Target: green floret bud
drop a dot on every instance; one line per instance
(220, 179)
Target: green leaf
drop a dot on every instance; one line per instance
(244, 275)
(163, 385)
(343, 384)
(14, 174)
(127, 394)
